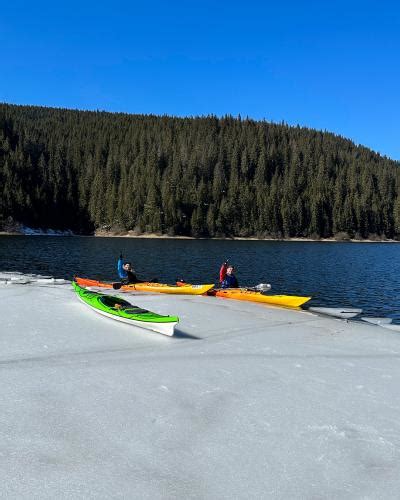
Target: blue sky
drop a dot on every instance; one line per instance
(327, 65)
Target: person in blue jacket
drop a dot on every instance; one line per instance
(227, 277)
(126, 272)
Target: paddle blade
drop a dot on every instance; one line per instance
(263, 287)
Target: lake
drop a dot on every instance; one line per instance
(365, 275)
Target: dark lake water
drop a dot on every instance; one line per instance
(365, 275)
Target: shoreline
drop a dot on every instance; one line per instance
(129, 234)
(241, 238)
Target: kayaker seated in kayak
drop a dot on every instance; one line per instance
(227, 278)
(126, 272)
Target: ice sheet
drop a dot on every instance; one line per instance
(247, 401)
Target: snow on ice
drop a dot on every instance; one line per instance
(246, 401)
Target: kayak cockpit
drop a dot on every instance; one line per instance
(114, 302)
(135, 310)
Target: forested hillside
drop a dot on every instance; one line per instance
(82, 170)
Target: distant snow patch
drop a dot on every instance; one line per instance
(16, 278)
(29, 231)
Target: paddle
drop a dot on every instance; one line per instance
(118, 285)
(263, 287)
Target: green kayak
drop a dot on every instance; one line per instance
(121, 310)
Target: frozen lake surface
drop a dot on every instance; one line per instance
(247, 401)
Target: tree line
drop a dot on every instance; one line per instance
(202, 177)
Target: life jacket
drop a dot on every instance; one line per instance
(227, 280)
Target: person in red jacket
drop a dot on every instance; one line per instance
(227, 277)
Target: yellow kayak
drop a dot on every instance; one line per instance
(255, 296)
(184, 289)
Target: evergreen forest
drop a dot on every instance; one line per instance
(197, 176)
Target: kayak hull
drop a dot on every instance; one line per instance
(255, 296)
(337, 312)
(163, 328)
(186, 289)
(120, 310)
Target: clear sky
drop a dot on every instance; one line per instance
(327, 65)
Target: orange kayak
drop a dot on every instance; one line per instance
(255, 296)
(185, 289)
